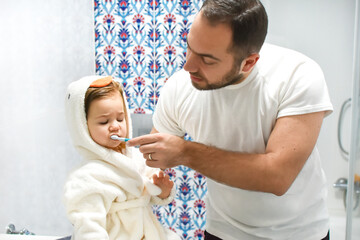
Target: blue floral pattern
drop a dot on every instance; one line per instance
(142, 43)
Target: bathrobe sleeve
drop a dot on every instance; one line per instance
(147, 173)
(155, 200)
(154, 190)
(88, 197)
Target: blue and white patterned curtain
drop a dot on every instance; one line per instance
(142, 43)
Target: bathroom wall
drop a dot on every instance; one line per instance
(44, 45)
(142, 43)
(324, 31)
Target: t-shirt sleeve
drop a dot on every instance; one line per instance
(305, 92)
(165, 115)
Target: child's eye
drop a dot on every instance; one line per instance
(103, 123)
(120, 120)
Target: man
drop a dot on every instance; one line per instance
(255, 117)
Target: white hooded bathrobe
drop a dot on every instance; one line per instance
(110, 195)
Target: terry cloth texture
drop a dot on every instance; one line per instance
(110, 195)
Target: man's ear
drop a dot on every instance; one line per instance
(249, 62)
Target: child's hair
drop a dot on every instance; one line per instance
(94, 93)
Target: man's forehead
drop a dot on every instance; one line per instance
(208, 38)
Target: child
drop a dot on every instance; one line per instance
(110, 195)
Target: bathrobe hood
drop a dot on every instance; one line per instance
(88, 148)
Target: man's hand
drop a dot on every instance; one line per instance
(161, 150)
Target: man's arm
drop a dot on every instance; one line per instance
(290, 144)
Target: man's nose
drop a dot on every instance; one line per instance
(192, 61)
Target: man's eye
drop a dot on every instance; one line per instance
(208, 61)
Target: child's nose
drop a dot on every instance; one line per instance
(114, 126)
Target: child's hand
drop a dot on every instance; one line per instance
(163, 181)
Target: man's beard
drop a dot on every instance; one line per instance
(232, 77)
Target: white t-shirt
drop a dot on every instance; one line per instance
(240, 118)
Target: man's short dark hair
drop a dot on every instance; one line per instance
(247, 19)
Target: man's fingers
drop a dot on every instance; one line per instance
(142, 140)
(152, 163)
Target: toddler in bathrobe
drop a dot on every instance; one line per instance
(110, 195)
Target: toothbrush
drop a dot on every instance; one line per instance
(115, 137)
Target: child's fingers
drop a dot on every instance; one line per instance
(155, 178)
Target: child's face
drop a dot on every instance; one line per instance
(106, 117)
